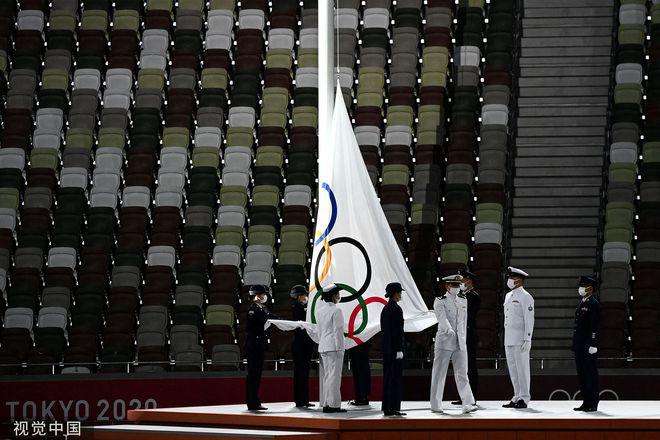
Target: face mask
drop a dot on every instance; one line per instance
(463, 287)
(582, 291)
(454, 290)
(263, 299)
(510, 283)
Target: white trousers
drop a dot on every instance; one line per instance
(330, 369)
(518, 363)
(458, 360)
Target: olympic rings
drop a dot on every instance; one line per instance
(354, 294)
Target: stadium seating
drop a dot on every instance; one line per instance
(457, 206)
(644, 304)
(622, 178)
(423, 249)
(495, 137)
(158, 159)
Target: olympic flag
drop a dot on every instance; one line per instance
(353, 245)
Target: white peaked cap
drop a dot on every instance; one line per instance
(457, 278)
(329, 287)
(515, 270)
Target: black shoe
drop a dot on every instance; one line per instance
(358, 402)
(511, 404)
(520, 404)
(579, 408)
(257, 408)
(304, 405)
(457, 402)
(590, 409)
(329, 409)
(309, 405)
(394, 414)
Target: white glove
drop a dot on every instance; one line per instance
(525, 346)
(399, 355)
(450, 331)
(592, 350)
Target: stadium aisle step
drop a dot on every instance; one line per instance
(563, 99)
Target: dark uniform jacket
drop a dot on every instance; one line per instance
(256, 319)
(587, 319)
(473, 306)
(301, 339)
(391, 324)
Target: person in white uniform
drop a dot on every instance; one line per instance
(451, 310)
(331, 350)
(518, 329)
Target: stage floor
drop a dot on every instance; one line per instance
(556, 409)
(541, 415)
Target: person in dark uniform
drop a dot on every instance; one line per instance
(391, 324)
(473, 306)
(255, 345)
(301, 348)
(585, 343)
(361, 369)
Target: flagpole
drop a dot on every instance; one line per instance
(326, 76)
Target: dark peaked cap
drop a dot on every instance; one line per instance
(393, 288)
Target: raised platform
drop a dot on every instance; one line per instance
(159, 432)
(551, 420)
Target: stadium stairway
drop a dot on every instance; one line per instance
(563, 100)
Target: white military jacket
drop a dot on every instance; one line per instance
(331, 328)
(451, 311)
(518, 317)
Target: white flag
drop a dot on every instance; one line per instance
(353, 245)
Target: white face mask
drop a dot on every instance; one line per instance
(454, 290)
(510, 283)
(463, 287)
(262, 299)
(582, 291)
